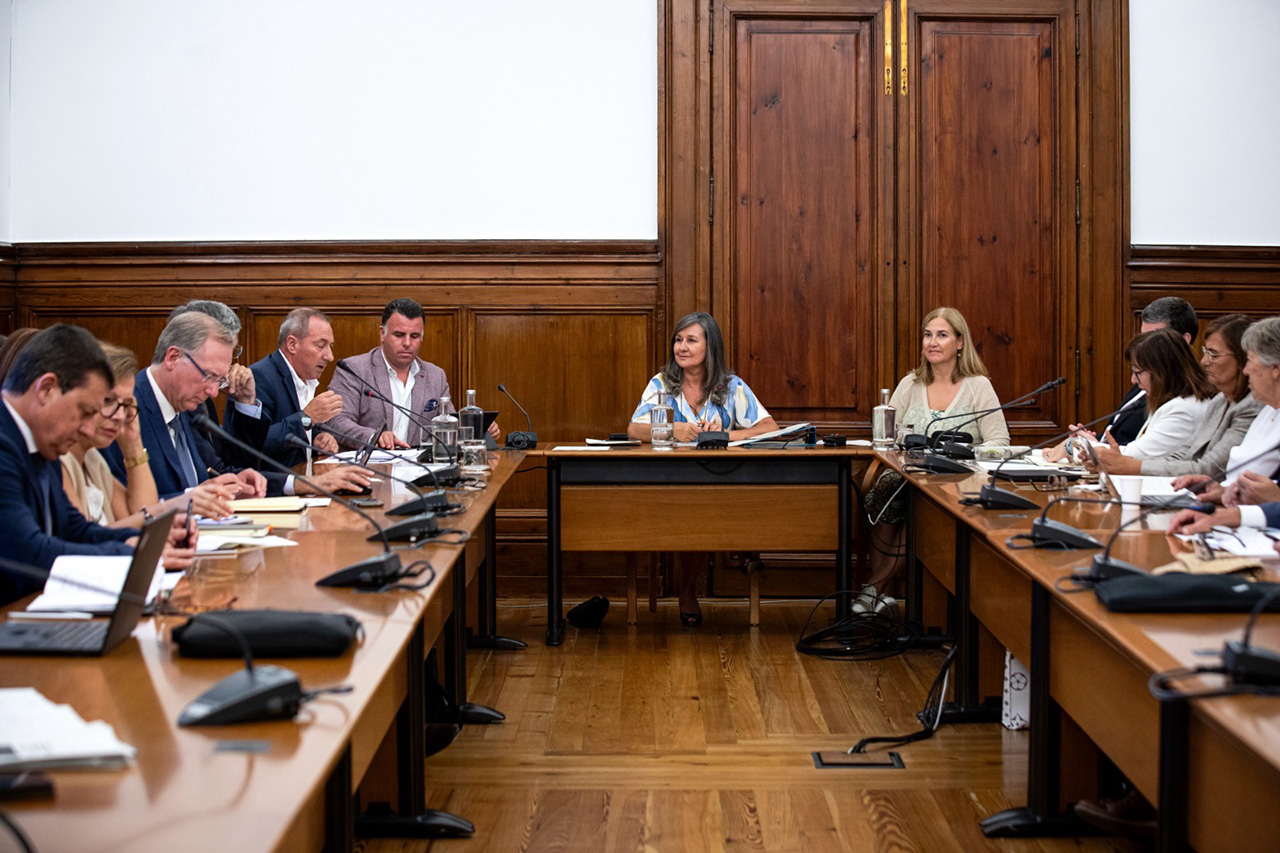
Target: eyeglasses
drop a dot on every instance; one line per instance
(235, 354)
(1138, 371)
(1213, 355)
(210, 378)
(130, 407)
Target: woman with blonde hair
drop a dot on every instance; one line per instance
(949, 382)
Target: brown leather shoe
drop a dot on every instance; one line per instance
(1131, 815)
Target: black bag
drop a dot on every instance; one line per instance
(270, 634)
(1179, 592)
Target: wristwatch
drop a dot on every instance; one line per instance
(141, 459)
(306, 422)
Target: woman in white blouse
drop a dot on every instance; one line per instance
(1178, 394)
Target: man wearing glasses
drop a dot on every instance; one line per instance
(54, 394)
(191, 364)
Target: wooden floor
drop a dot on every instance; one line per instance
(661, 738)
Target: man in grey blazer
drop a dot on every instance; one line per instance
(394, 371)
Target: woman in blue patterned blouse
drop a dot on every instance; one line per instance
(704, 395)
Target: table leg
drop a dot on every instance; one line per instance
(844, 538)
(555, 594)
(339, 807)
(486, 636)
(1175, 719)
(455, 653)
(968, 706)
(1040, 817)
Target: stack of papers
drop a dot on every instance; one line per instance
(37, 734)
(1240, 541)
(284, 503)
(228, 543)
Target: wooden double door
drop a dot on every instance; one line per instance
(870, 161)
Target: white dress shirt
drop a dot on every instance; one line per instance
(306, 391)
(1168, 428)
(401, 395)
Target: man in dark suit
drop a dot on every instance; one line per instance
(396, 372)
(53, 394)
(190, 364)
(286, 383)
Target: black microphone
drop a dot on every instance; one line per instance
(1046, 531)
(958, 452)
(520, 440)
(448, 474)
(434, 502)
(992, 497)
(371, 573)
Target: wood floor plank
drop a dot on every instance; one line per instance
(654, 738)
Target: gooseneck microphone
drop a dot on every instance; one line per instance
(520, 440)
(956, 451)
(372, 573)
(992, 497)
(449, 474)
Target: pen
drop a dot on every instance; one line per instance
(53, 615)
(186, 541)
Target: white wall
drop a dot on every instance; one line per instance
(331, 119)
(1204, 113)
(6, 18)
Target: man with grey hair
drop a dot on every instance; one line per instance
(191, 362)
(286, 381)
(1167, 312)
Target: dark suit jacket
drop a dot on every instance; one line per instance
(22, 536)
(280, 411)
(1126, 425)
(1272, 512)
(164, 458)
(361, 414)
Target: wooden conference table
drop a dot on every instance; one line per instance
(267, 786)
(795, 498)
(1212, 765)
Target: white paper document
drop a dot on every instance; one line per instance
(37, 734)
(766, 436)
(105, 576)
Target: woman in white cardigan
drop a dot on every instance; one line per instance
(950, 380)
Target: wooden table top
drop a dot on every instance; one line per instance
(184, 792)
(1152, 641)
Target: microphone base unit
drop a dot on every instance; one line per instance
(1045, 531)
(372, 573)
(446, 477)
(1106, 567)
(1251, 665)
(952, 450)
(265, 692)
(935, 464)
(993, 497)
(522, 440)
(410, 530)
(713, 440)
(436, 501)
(914, 440)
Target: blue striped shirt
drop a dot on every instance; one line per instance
(741, 409)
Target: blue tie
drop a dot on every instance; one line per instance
(44, 494)
(184, 453)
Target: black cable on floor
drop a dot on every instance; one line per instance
(857, 636)
(933, 707)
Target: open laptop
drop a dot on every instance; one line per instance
(96, 636)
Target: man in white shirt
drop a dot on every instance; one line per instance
(286, 382)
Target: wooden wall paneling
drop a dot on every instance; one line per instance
(796, 262)
(136, 329)
(1102, 127)
(991, 133)
(8, 288)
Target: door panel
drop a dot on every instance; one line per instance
(991, 230)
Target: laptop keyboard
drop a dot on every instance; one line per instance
(72, 636)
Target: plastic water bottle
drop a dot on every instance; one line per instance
(661, 428)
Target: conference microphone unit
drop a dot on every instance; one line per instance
(433, 502)
(520, 440)
(951, 438)
(371, 574)
(991, 496)
(932, 463)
